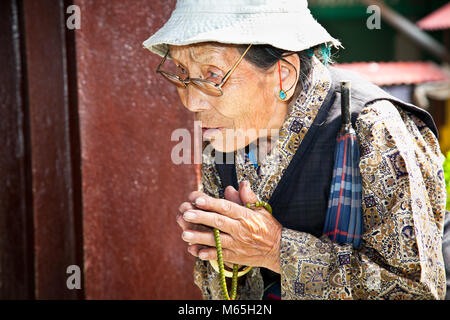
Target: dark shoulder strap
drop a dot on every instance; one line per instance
(419, 112)
(366, 92)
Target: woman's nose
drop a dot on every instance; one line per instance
(195, 99)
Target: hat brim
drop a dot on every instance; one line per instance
(288, 31)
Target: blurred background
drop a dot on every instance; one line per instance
(86, 176)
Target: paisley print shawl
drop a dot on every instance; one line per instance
(403, 205)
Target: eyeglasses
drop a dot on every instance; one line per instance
(209, 87)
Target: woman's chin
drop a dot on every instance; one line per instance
(229, 140)
(226, 147)
(223, 147)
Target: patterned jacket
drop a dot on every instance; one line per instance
(403, 199)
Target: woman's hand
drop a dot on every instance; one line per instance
(249, 237)
(190, 227)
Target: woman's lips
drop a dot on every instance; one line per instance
(211, 132)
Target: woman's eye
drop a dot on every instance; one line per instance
(214, 76)
(182, 70)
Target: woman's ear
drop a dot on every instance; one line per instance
(289, 72)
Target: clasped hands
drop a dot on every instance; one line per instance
(249, 237)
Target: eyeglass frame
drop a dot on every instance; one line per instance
(188, 80)
(217, 85)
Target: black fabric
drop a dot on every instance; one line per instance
(227, 174)
(310, 173)
(300, 199)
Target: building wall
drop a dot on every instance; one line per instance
(131, 188)
(87, 176)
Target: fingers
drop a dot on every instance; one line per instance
(181, 222)
(185, 206)
(206, 238)
(195, 194)
(195, 248)
(211, 254)
(211, 219)
(182, 208)
(185, 225)
(222, 206)
(232, 194)
(190, 218)
(246, 193)
(231, 206)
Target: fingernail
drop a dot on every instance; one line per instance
(203, 256)
(187, 235)
(200, 201)
(189, 215)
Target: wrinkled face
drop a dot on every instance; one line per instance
(248, 108)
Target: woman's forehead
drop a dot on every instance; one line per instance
(204, 53)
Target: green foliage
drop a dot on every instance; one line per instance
(447, 177)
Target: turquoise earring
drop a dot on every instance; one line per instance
(282, 95)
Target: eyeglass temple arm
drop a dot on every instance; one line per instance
(162, 61)
(235, 66)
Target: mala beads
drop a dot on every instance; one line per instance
(219, 266)
(260, 204)
(223, 282)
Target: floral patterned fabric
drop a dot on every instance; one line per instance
(403, 203)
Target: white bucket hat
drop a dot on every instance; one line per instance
(285, 24)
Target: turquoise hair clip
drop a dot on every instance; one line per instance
(310, 52)
(325, 51)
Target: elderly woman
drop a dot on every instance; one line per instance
(256, 73)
